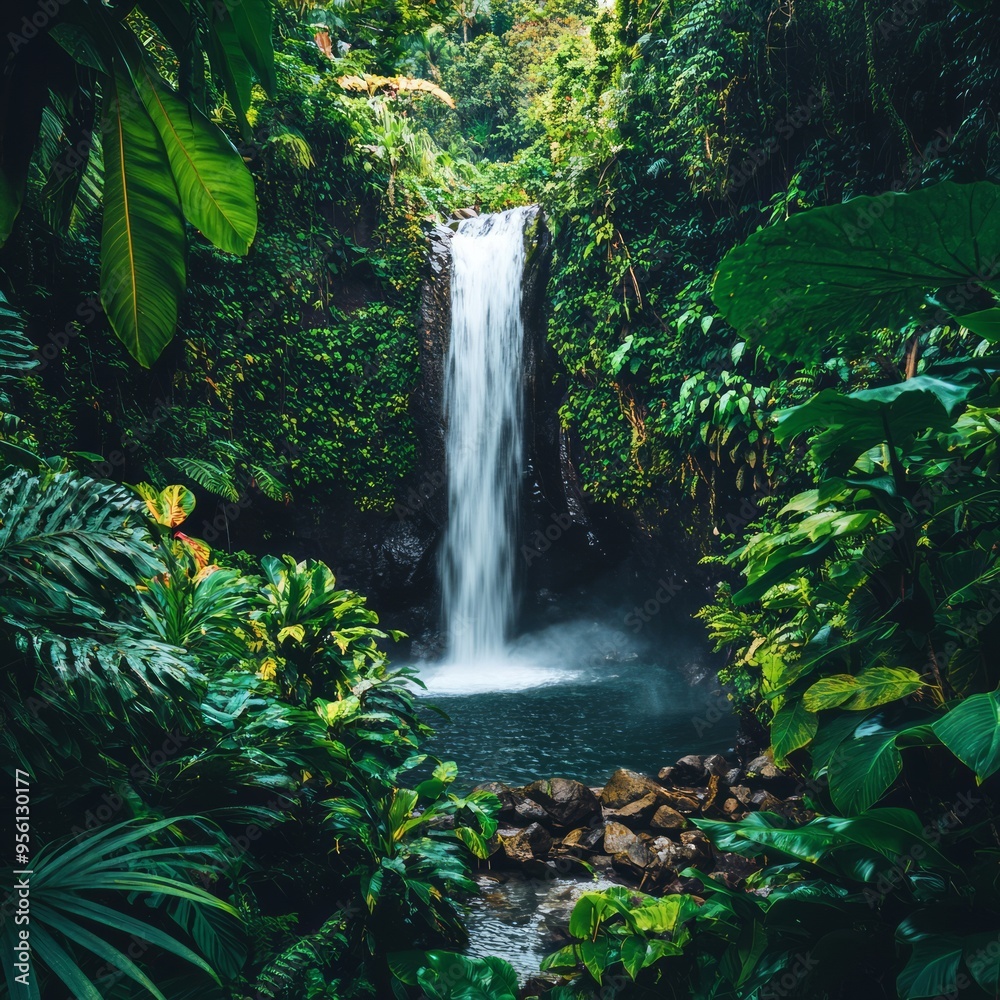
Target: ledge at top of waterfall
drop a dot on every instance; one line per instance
(484, 437)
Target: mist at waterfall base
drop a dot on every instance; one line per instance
(576, 697)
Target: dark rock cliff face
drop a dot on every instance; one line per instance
(392, 558)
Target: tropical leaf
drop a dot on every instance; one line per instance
(119, 673)
(203, 613)
(168, 507)
(73, 887)
(858, 847)
(143, 272)
(872, 687)
(230, 64)
(16, 351)
(839, 272)
(252, 21)
(214, 477)
(862, 771)
(792, 728)
(971, 731)
(65, 538)
(215, 187)
(850, 425)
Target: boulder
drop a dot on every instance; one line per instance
(625, 787)
(669, 854)
(618, 838)
(733, 869)
(742, 794)
(688, 770)
(666, 775)
(683, 801)
(762, 764)
(533, 843)
(701, 848)
(530, 811)
(731, 807)
(635, 859)
(635, 813)
(764, 801)
(583, 838)
(568, 803)
(667, 818)
(733, 776)
(716, 764)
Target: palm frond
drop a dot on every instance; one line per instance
(16, 351)
(122, 674)
(71, 887)
(269, 484)
(66, 540)
(212, 476)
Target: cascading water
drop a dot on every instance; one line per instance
(484, 414)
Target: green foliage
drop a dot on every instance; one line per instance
(163, 160)
(68, 889)
(444, 975)
(872, 647)
(833, 275)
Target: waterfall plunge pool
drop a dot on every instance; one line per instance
(575, 701)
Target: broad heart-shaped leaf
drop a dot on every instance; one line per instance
(861, 771)
(215, 187)
(793, 727)
(142, 243)
(853, 424)
(838, 272)
(168, 507)
(971, 731)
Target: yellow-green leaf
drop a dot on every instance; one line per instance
(215, 187)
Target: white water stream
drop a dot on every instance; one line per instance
(484, 416)
(484, 452)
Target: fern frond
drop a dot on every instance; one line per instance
(269, 484)
(211, 476)
(283, 977)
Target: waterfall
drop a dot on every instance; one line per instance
(484, 450)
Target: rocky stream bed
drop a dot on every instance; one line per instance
(559, 838)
